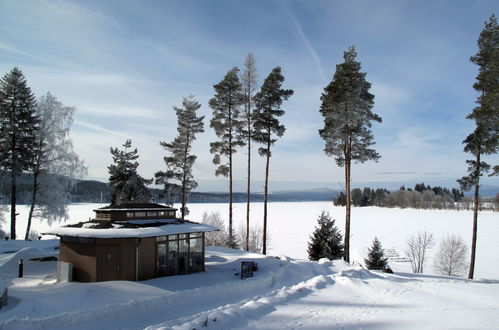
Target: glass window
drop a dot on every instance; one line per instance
(183, 249)
(140, 214)
(161, 238)
(173, 237)
(172, 258)
(161, 213)
(182, 236)
(161, 259)
(129, 214)
(152, 214)
(195, 255)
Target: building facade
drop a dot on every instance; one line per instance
(132, 242)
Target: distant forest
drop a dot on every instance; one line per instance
(420, 196)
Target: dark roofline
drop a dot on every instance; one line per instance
(136, 206)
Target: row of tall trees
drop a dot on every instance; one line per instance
(34, 141)
(242, 115)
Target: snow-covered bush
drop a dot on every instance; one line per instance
(216, 238)
(255, 238)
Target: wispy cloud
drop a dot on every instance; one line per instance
(308, 45)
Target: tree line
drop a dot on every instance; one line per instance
(421, 197)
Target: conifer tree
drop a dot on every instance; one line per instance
(18, 126)
(179, 164)
(376, 256)
(55, 163)
(268, 103)
(248, 79)
(346, 108)
(484, 140)
(129, 186)
(326, 240)
(227, 125)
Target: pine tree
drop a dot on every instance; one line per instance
(325, 242)
(346, 108)
(268, 103)
(129, 186)
(484, 140)
(227, 125)
(376, 256)
(179, 164)
(18, 126)
(55, 163)
(248, 79)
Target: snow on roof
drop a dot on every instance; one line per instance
(123, 232)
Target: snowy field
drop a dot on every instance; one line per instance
(286, 292)
(290, 226)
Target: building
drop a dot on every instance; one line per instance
(132, 242)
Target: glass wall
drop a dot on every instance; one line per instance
(179, 254)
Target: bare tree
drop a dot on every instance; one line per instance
(417, 247)
(451, 257)
(248, 79)
(55, 163)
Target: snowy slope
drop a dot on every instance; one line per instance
(284, 292)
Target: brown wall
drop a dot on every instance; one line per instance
(147, 258)
(124, 249)
(82, 256)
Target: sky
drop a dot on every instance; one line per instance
(125, 64)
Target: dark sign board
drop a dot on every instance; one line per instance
(247, 268)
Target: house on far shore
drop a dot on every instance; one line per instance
(132, 242)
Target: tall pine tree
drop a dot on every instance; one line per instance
(248, 78)
(325, 241)
(346, 108)
(227, 125)
(484, 139)
(267, 127)
(129, 186)
(179, 163)
(18, 126)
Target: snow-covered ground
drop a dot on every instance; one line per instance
(286, 292)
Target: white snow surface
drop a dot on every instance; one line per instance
(286, 291)
(117, 232)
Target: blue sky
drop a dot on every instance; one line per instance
(125, 64)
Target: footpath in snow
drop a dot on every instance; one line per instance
(284, 292)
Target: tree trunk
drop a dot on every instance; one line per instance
(231, 237)
(264, 248)
(13, 186)
(248, 192)
(183, 179)
(33, 203)
(475, 218)
(347, 213)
